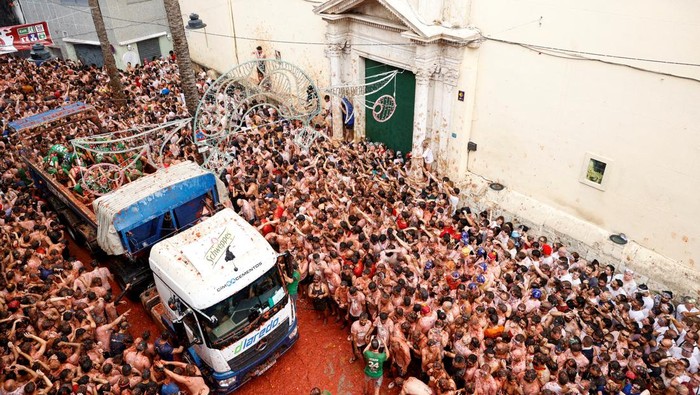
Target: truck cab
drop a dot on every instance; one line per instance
(223, 292)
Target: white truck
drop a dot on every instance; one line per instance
(222, 290)
(219, 288)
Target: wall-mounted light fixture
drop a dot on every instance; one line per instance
(496, 186)
(195, 23)
(619, 238)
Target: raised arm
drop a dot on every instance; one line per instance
(31, 372)
(25, 355)
(41, 341)
(121, 295)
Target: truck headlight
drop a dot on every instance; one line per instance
(294, 332)
(227, 382)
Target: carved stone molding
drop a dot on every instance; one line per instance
(333, 50)
(425, 69)
(423, 74)
(379, 25)
(450, 76)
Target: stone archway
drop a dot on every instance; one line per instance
(389, 33)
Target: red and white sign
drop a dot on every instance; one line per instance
(22, 37)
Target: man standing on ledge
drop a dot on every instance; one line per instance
(260, 55)
(293, 282)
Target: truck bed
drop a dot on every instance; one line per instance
(81, 222)
(64, 194)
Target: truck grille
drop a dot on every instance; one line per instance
(252, 353)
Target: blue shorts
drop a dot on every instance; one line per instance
(377, 381)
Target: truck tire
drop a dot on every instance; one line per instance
(72, 233)
(70, 229)
(75, 235)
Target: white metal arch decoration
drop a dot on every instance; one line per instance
(234, 102)
(114, 156)
(382, 108)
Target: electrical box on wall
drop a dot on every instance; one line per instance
(471, 146)
(595, 171)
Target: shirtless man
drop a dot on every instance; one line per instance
(135, 356)
(401, 352)
(103, 332)
(427, 319)
(192, 380)
(360, 332)
(485, 383)
(413, 386)
(530, 385)
(433, 353)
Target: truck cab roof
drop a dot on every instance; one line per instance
(213, 259)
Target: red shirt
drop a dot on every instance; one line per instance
(451, 282)
(401, 223)
(372, 270)
(451, 231)
(267, 228)
(359, 268)
(278, 212)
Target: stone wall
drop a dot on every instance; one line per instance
(542, 119)
(591, 242)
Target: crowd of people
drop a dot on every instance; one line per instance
(449, 300)
(61, 330)
(153, 98)
(456, 300)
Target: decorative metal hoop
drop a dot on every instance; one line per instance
(234, 102)
(305, 137)
(102, 178)
(384, 108)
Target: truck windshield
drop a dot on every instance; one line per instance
(236, 314)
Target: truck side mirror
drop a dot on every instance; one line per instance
(175, 304)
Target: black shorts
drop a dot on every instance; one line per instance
(320, 304)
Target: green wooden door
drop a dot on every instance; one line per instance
(397, 131)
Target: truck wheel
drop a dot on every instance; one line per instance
(91, 249)
(72, 233)
(77, 237)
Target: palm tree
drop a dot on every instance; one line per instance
(110, 64)
(182, 52)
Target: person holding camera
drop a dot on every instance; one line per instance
(375, 355)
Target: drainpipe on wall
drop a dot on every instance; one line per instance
(17, 8)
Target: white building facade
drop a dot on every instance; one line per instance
(137, 29)
(582, 111)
